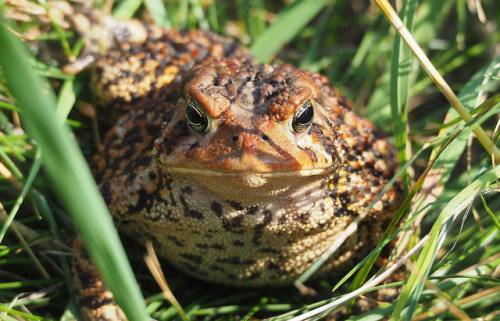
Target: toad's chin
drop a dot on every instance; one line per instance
(249, 187)
(250, 180)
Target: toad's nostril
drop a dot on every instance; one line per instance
(235, 138)
(265, 138)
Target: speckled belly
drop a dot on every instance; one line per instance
(228, 242)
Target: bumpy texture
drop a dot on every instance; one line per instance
(239, 173)
(249, 202)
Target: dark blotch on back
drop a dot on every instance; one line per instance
(216, 208)
(197, 259)
(189, 212)
(344, 199)
(180, 130)
(236, 205)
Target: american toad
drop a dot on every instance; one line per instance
(239, 173)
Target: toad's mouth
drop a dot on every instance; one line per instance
(262, 160)
(246, 166)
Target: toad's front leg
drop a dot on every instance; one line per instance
(95, 302)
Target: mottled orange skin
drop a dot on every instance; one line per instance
(251, 201)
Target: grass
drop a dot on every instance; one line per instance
(453, 203)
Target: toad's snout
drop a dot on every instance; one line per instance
(248, 143)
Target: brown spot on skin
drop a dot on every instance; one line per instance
(303, 218)
(222, 80)
(217, 208)
(236, 205)
(196, 259)
(238, 243)
(175, 240)
(278, 80)
(232, 223)
(312, 154)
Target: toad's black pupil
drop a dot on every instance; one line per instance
(303, 117)
(196, 118)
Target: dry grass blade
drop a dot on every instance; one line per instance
(154, 267)
(463, 301)
(437, 78)
(18, 229)
(365, 288)
(4, 171)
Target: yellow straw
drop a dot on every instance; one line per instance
(396, 22)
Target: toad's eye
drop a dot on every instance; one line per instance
(196, 117)
(303, 117)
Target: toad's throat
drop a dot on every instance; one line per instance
(232, 174)
(249, 187)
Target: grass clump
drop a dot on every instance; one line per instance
(452, 182)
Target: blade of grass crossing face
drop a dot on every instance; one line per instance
(70, 174)
(287, 25)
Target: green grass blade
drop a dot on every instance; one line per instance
(426, 25)
(401, 72)
(310, 55)
(126, 9)
(252, 12)
(178, 13)
(427, 256)
(69, 172)
(287, 25)
(490, 213)
(198, 16)
(67, 98)
(468, 95)
(400, 79)
(20, 199)
(158, 12)
(24, 315)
